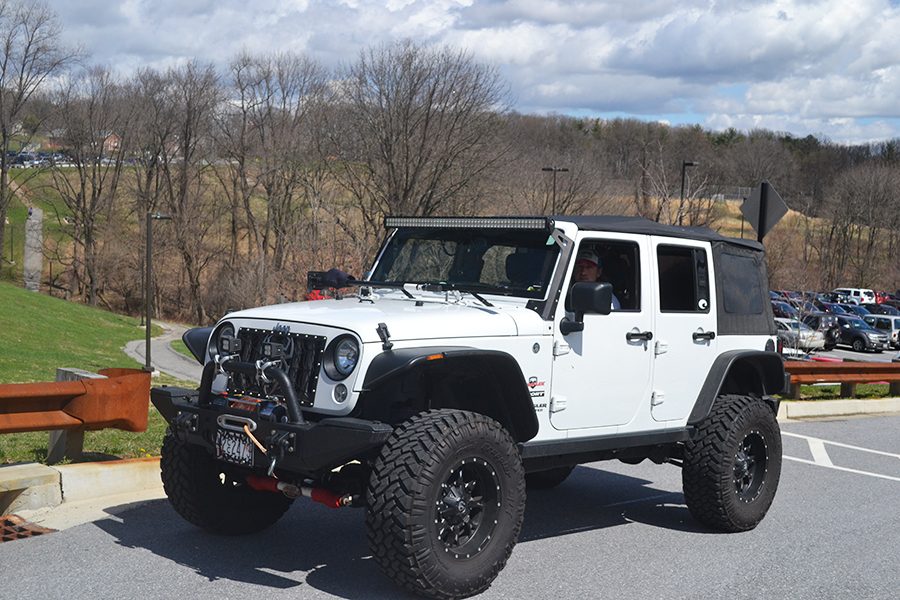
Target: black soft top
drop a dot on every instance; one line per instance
(621, 224)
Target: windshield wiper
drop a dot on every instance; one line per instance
(459, 287)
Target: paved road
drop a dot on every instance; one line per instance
(162, 357)
(621, 532)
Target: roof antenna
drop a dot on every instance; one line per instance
(385, 336)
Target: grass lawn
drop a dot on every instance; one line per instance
(178, 346)
(39, 334)
(833, 392)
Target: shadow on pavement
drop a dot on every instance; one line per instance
(326, 549)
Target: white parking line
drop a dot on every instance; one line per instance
(821, 458)
(809, 437)
(820, 455)
(810, 462)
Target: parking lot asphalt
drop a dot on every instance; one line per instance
(610, 531)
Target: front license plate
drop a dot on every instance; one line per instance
(234, 447)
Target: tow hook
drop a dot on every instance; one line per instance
(320, 495)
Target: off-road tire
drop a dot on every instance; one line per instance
(408, 492)
(859, 345)
(205, 495)
(713, 474)
(546, 480)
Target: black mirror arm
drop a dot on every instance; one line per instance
(566, 326)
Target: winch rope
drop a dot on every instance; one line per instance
(253, 438)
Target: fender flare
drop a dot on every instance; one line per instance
(196, 340)
(769, 366)
(521, 419)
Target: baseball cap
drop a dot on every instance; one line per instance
(589, 255)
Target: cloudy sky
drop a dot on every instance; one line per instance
(827, 67)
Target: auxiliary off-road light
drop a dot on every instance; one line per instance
(228, 344)
(273, 350)
(470, 222)
(222, 330)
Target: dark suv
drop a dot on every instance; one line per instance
(861, 336)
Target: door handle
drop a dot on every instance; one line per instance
(645, 336)
(703, 335)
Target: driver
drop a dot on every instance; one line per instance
(589, 267)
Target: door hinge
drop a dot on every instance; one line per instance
(560, 348)
(657, 398)
(557, 403)
(660, 347)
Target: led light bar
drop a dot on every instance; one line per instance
(470, 222)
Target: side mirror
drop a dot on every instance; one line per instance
(587, 297)
(591, 297)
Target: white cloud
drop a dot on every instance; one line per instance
(829, 66)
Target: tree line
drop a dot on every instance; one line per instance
(275, 165)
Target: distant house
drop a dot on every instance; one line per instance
(111, 143)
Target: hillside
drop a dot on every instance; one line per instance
(39, 333)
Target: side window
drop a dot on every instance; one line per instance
(615, 262)
(884, 324)
(683, 279)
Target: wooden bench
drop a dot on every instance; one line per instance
(120, 400)
(847, 374)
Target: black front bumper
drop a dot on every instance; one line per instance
(304, 448)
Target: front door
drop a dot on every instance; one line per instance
(685, 344)
(601, 378)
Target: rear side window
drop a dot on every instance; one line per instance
(683, 279)
(741, 292)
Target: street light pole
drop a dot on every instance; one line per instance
(148, 284)
(554, 170)
(684, 165)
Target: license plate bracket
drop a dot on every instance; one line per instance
(234, 447)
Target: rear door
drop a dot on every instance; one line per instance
(685, 344)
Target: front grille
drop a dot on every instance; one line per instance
(302, 358)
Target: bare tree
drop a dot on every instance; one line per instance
(94, 120)
(191, 95)
(417, 130)
(30, 54)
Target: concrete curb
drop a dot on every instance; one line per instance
(32, 486)
(799, 409)
(86, 481)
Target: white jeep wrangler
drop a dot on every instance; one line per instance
(468, 366)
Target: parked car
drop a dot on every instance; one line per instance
(797, 334)
(783, 310)
(860, 295)
(855, 309)
(833, 308)
(881, 309)
(827, 324)
(861, 336)
(887, 324)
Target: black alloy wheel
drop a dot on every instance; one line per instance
(750, 466)
(468, 507)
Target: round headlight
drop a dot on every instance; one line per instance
(224, 329)
(341, 357)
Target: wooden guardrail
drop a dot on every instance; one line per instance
(847, 374)
(120, 400)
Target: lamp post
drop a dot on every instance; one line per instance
(684, 165)
(148, 283)
(554, 170)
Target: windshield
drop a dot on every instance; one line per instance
(855, 323)
(506, 262)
